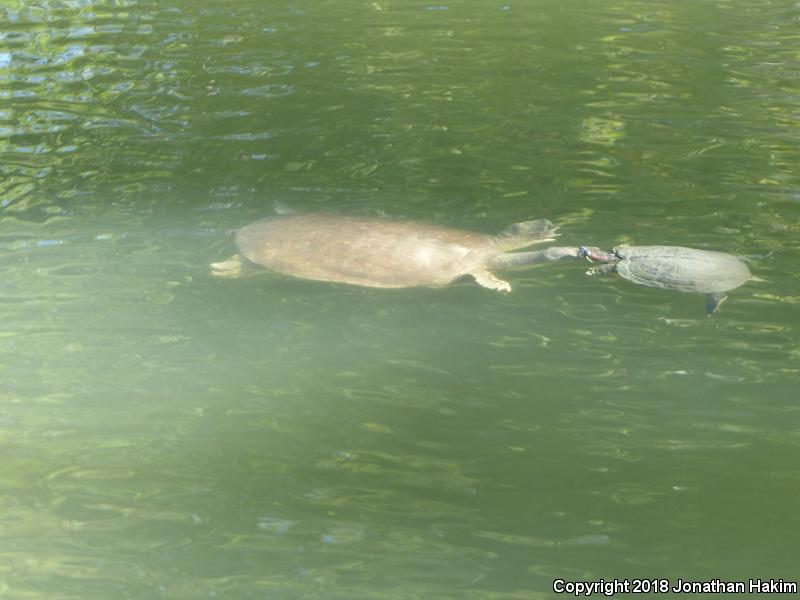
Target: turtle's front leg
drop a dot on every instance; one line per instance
(601, 269)
(488, 280)
(713, 302)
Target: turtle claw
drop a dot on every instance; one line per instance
(227, 269)
(488, 280)
(601, 269)
(714, 301)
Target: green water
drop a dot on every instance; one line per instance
(167, 435)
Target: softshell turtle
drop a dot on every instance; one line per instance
(387, 253)
(675, 268)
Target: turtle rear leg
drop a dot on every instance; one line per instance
(487, 280)
(713, 302)
(227, 269)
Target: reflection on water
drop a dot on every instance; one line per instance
(165, 434)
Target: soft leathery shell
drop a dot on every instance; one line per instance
(684, 269)
(364, 251)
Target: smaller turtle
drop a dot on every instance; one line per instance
(675, 268)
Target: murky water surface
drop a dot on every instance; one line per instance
(168, 435)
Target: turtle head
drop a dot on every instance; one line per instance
(620, 251)
(594, 254)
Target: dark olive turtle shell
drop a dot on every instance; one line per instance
(683, 269)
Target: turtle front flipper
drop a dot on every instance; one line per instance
(487, 280)
(602, 269)
(714, 300)
(227, 269)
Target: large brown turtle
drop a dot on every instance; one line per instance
(387, 253)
